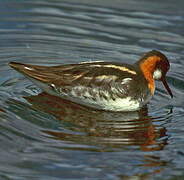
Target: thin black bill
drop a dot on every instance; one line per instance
(167, 87)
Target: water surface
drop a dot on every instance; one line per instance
(45, 137)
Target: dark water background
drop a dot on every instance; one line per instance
(46, 138)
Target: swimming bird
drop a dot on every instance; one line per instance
(111, 86)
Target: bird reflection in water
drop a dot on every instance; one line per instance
(107, 129)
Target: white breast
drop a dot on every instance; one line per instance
(117, 104)
(121, 104)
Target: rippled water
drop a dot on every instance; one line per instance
(45, 137)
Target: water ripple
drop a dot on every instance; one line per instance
(45, 137)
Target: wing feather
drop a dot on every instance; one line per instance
(76, 79)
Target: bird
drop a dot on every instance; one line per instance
(109, 86)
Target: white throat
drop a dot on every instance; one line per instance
(157, 74)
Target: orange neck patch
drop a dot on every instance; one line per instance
(148, 67)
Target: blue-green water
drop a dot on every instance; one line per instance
(44, 137)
